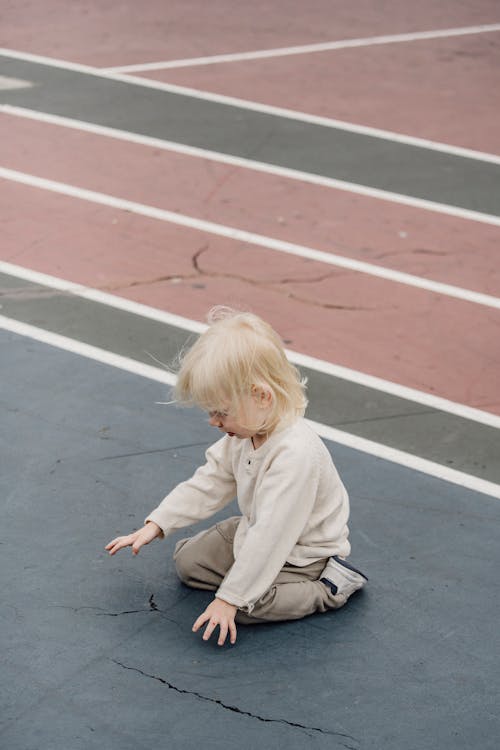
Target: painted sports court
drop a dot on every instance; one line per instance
(335, 169)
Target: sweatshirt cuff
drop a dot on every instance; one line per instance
(234, 599)
(154, 516)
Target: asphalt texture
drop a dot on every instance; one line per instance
(98, 651)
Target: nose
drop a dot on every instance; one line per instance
(215, 421)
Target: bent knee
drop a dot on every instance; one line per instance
(184, 560)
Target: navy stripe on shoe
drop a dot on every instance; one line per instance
(348, 566)
(330, 584)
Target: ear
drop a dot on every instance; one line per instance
(262, 396)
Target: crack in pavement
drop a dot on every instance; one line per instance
(228, 174)
(237, 710)
(247, 279)
(101, 612)
(152, 604)
(154, 450)
(383, 418)
(199, 274)
(274, 285)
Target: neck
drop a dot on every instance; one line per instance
(258, 440)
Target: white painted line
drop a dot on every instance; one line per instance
(54, 62)
(11, 84)
(240, 235)
(369, 381)
(144, 140)
(408, 460)
(258, 107)
(154, 373)
(306, 48)
(395, 389)
(104, 298)
(86, 350)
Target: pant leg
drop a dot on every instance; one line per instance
(203, 560)
(295, 593)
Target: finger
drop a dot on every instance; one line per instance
(112, 543)
(116, 546)
(122, 541)
(137, 546)
(232, 631)
(222, 633)
(199, 622)
(209, 629)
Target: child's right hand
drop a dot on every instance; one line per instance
(135, 540)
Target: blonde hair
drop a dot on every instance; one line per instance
(237, 353)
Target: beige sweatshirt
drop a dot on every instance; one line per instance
(294, 506)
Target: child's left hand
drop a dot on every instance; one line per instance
(219, 613)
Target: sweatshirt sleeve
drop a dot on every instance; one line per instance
(210, 488)
(286, 498)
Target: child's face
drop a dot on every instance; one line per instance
(253, 411)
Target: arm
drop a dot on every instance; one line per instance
(210, 488)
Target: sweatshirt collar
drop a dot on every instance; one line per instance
(282, 426)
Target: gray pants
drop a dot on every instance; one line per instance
(202, 561)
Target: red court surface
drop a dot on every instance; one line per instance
(430, 342)
(432, 245)
(109, 34)
(422, 88)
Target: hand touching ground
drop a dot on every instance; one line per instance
(219, 613)
(135, 540)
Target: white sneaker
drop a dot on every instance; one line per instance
(342, 577)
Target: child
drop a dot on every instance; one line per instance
(283, 558)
